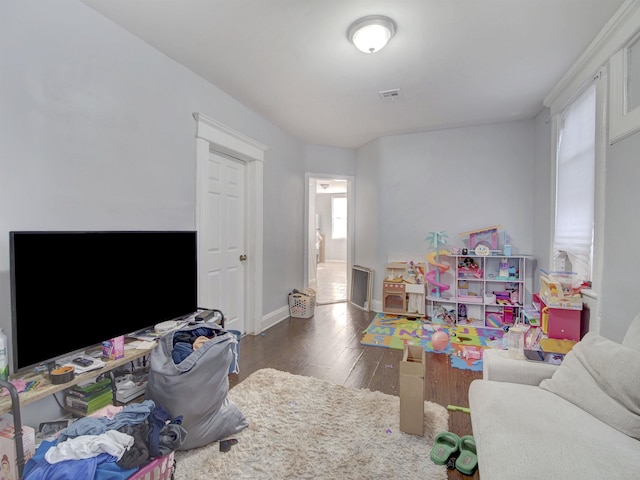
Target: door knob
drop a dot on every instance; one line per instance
(243, 257)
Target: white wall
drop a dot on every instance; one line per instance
(283, 223)
(449, 180)
(367, 173)
(96, 132)
(329, 160)
(620, 302)
(541, 218)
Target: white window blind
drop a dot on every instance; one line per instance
(575, 186)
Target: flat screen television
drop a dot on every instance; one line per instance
(73, 290)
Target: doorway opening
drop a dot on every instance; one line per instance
(329, 233)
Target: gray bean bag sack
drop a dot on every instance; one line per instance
(196, 388)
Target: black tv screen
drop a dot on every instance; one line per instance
(73, 290)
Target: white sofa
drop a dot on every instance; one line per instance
(579, 420)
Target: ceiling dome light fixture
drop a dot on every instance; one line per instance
(370, 34)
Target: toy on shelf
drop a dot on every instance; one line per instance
(462, 312)
(443, 316)
(433, 277)
(503, 268)
(494, 319)
(416, 272)
(468, 268)
(483, 241)
(506, 247)
(557, 290)
(531, 315)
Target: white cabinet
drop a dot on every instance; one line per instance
(477, 291)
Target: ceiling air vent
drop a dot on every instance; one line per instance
(388, 95)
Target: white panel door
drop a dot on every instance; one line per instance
(223, 287)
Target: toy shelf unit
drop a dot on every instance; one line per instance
(479, 291)
(403, 289)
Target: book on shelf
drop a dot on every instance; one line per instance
(89, 390)
(70, 399)
(86, 396)
(91, 387)
(89, 406)
(89, 409)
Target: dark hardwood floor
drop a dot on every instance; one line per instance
(327, 346)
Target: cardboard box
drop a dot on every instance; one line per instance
(412, 369)
(113, 349)
(8, 456)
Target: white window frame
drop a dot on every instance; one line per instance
(615, 34)
(623, 121)
(335, 219)
(601, 83)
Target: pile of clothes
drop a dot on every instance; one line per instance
(185, 342)
(113, 443)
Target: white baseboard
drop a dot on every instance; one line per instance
(376, 305)
(271, 319)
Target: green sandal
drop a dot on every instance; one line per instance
(468, 459)
(445, 444)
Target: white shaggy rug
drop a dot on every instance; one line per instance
(303, 427)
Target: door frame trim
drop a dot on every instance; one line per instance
(350, 222)
(213, 136)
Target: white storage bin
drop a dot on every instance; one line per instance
(302, 304)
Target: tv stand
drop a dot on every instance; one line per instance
(13, 402)
(46, 388)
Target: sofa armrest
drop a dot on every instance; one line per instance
(498, 366)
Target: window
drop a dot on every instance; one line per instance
(338, 217)
(625, 91)
(575, 186)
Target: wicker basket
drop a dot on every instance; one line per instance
(302, 304)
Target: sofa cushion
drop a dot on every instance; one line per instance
(632, 337)
(601, 377)
(524, 432)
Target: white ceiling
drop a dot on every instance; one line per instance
(456, 62)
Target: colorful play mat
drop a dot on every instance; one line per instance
(465, 344)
